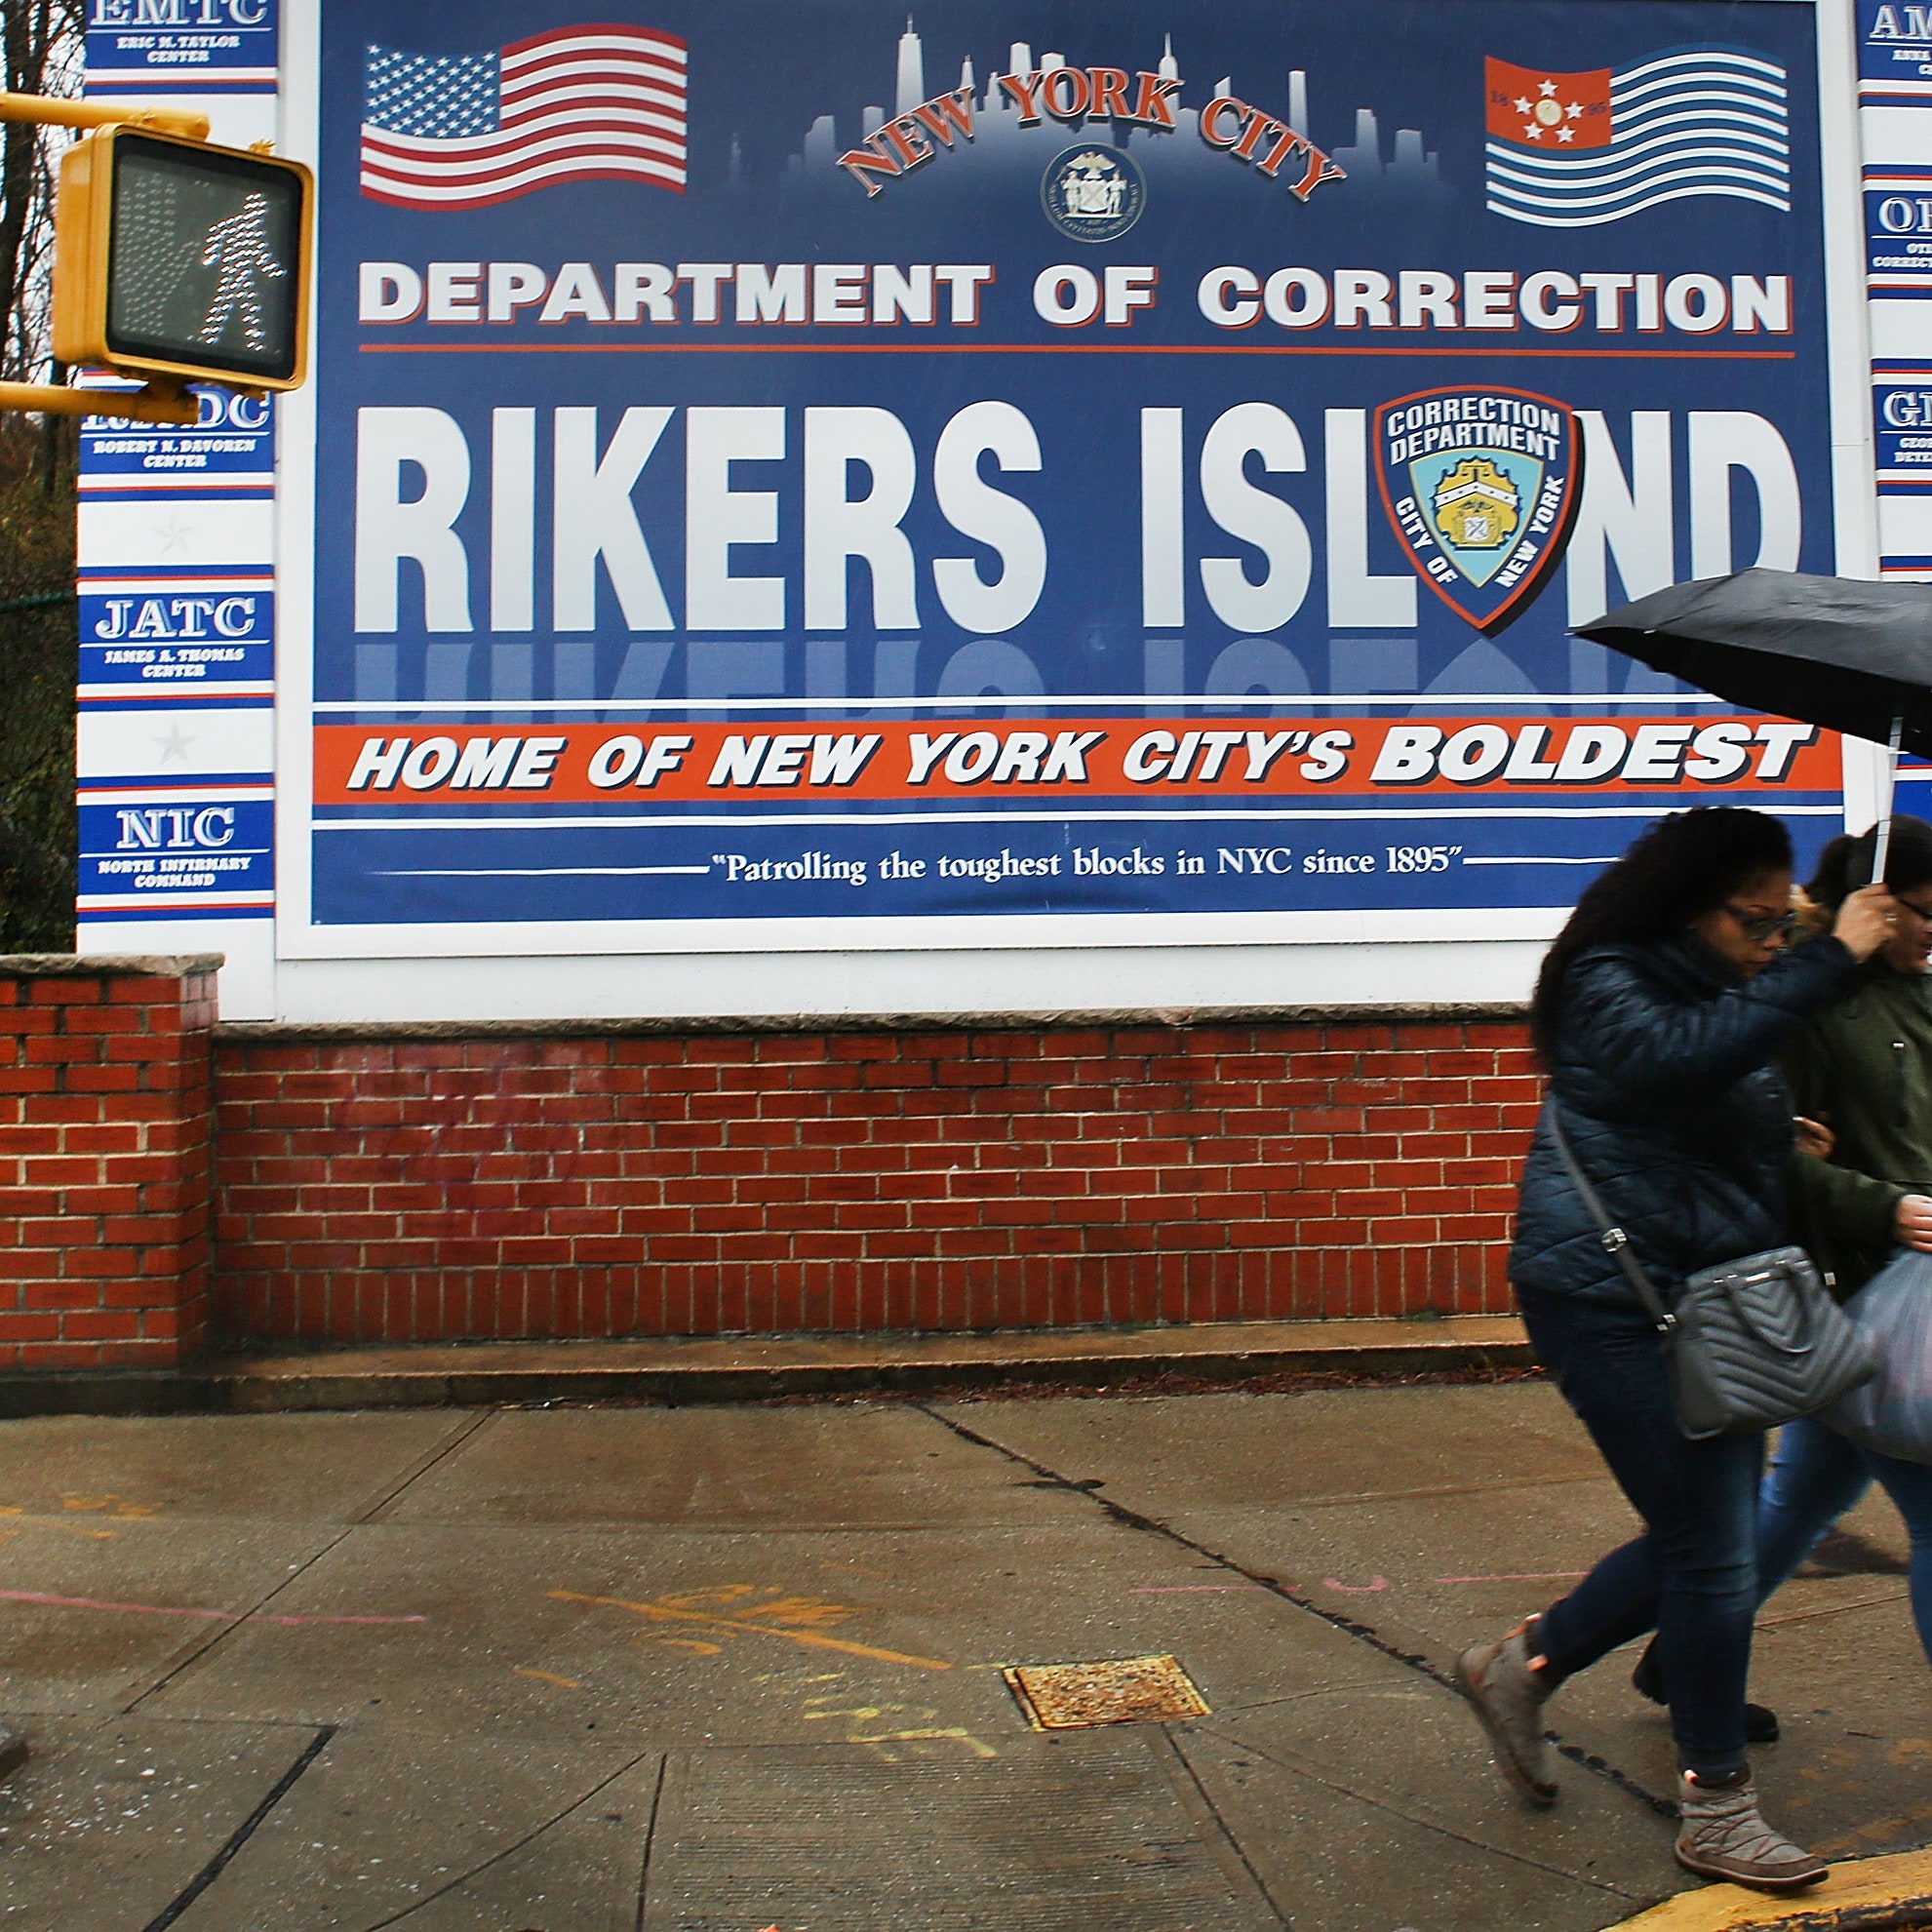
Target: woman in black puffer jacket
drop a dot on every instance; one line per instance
(1658, 1013)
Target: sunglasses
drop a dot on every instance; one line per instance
(1762, 928)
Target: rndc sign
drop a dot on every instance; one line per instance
(232, 435)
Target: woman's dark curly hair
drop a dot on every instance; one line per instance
(1678, 870)
(1845, 864)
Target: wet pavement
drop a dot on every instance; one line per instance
(727, 1669)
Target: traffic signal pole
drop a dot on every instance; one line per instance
(46, 111)
(157, 403)
(160, 401)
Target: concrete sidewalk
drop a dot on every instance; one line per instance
(724, 1670)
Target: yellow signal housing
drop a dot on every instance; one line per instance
(179, 261)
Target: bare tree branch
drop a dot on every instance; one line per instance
(40, 51)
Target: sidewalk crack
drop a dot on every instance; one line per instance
(221, 1632)
(650, 1840)
(1298, 1768)
(529, 1837)
(239, 1837)
(1227, 1844)
(185, 1660)
(423, 1464)
(1364, 1633)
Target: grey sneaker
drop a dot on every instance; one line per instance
(1724, 1836)
(1498, 1682)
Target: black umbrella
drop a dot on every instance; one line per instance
(1851, 656)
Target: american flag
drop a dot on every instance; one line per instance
(585, 103)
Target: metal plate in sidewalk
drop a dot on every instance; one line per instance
(1124, 1690)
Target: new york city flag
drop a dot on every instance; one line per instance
(1577, 150)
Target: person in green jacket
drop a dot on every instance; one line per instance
(1862, 1070)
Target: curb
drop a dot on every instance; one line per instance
(754, 1368)
(1861, 1895)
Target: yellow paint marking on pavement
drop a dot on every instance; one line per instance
(873, 1714)
(866, 1714)
(977, 1746)
(547, 1676)
(15, 1515)
(777, 1607)
(1901, 1882)
(664, 1612)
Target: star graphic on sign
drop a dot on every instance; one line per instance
(1531, 132)
(1566, 133)
(1546, 87)
(173, 532)
(1574, 110)
(174, 745)
(1521, 103)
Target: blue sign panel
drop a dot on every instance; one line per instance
(176, 852)
(234, 436)
(1898, 231)
(1894, 44)
(182, 45)
(1044, 459)
(158, 634)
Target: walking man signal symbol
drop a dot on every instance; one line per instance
(239, 246)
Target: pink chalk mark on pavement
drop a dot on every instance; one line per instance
(1356, 1589)
(170, 1610)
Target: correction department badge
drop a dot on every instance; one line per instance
(1092, 192)
(1481, 487)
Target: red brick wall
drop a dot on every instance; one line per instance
(653, 1182)
(105, 1159)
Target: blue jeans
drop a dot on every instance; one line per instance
(1692, 1576)
(1815, 1477)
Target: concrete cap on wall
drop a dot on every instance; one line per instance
(108, 966)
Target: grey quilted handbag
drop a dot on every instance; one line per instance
(1750, 1343)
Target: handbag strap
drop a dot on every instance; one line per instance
(1615, 1241)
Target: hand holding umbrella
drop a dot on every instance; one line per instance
(1866, 921)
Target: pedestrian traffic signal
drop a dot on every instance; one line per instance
(183, 262)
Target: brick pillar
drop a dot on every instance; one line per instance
(106, 1159)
